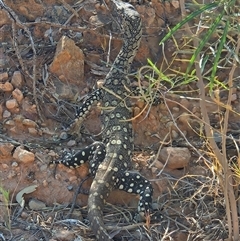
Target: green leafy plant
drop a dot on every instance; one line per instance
(211, 44)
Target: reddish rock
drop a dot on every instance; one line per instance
(184, 117)
(6, 87)
(176, 157)
(5, 166)
(33, 131)
(23, 156)
(11, 104)
(17, 79)
(29, 9)
(68, 61)
(18, 95)
(29, 123)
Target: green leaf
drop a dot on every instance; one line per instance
(157, 71)
(203, 42)
(188, 18)
(218, 55)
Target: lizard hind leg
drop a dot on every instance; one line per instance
(133, 182)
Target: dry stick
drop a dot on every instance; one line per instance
(14, 18)
(109, 49)
(57, 25)
(228, 174)
(209, 132)
(231, 208)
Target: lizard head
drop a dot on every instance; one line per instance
(128, 19)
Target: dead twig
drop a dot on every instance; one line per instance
(57, 25)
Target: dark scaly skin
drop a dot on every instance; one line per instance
(110, 161)
(117, 130)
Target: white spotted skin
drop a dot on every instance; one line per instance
(110, 163)
(116, 129)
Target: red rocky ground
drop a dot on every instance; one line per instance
(40, 91)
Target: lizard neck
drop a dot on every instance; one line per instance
(127, 53)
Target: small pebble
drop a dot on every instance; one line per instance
(35, 204)
(18, 95)
(63, 135)
(7, 87)
(29, 123)
(32, 131)
(169, 124)
(184, 117)
(185, 103)
(69, 187)
(151, 117)
(72, 178)
(52, 153)
(45, 183)
(5, 166)
(58, 176)
(136, 111)
(24, 215)
(14, 164)
(11, 174)
(176, 109)
(17, 79)
(233, 97)
(174, 134)
(11, 104)
(71, 143)
(44, 167)
(23, 156)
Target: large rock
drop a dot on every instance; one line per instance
(23, 156)
(175, 157)
(68, 62)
